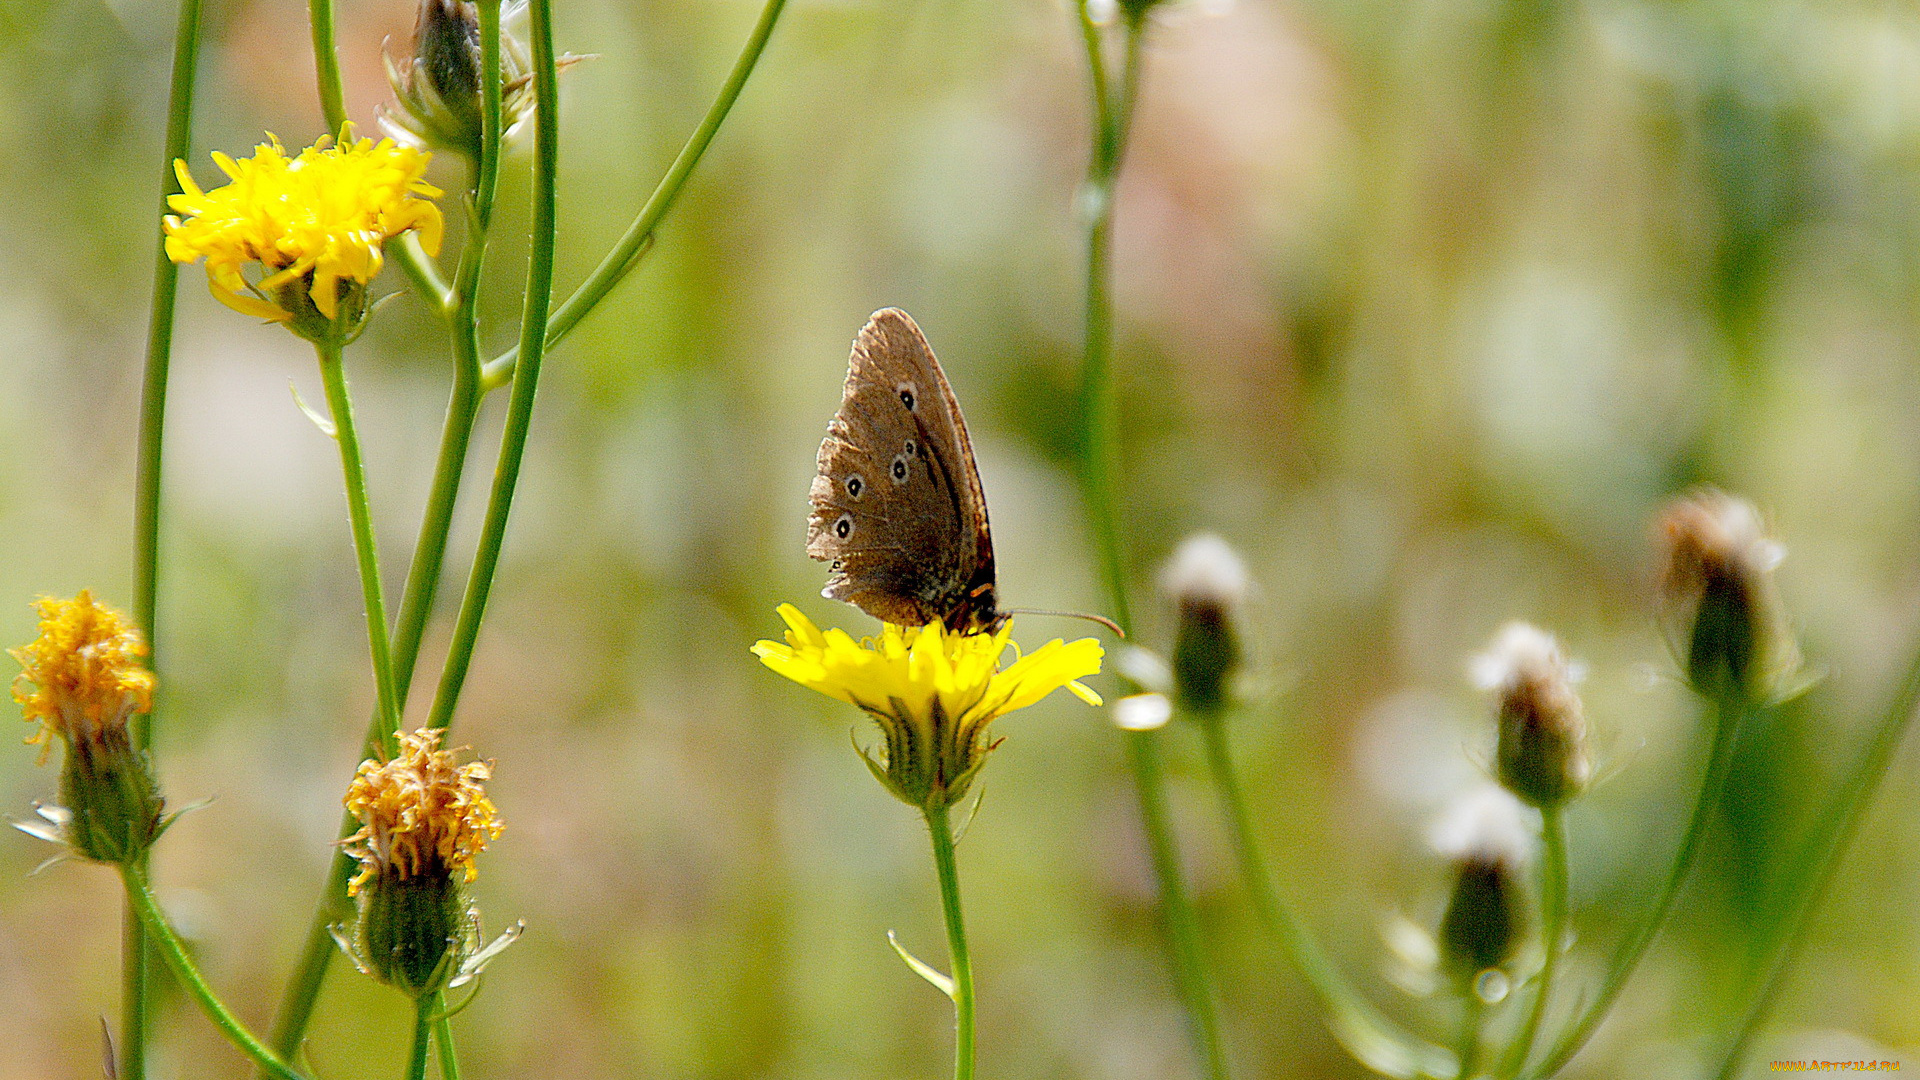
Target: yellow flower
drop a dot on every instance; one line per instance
(84, 671)
(82, 682)
(932, 690)
(314, 222)
(420, 814)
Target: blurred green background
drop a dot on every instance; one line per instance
(1423, 305)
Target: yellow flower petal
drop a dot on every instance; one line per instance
(933, 690)
(323, 214)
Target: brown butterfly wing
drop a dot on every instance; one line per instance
(897, 504)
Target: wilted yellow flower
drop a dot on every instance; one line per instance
(83, 673)
(420, 814)
(423, 819)
(82, 682)
(932, 690)
(314, 222)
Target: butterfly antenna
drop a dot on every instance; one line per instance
(1101, 619)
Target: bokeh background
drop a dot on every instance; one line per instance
(1425, 306)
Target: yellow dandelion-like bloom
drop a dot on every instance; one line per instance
(311, 221)
(420, 814)
(932, 690)
(83, 674)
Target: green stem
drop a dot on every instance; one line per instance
(1553, 928)
(424, 1007)
(1469, 1045)
(638, 238)
(1099, 450)
(1729, 711)
(326, 65)
(421, 273)
(136, 1005)
(443, 1039)
(153, 393)
(1183, 928)
(1360, 1026)
(416, 605)
(1820, 858)
(174, 952)
(1099, 396)
(366, 556)
(136, 960)
(949, 874)
(513, 440)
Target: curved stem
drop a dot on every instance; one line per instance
(1360, 1026)
(513, 440)
(1183, 929)
(443, 1039)
(634, 244)
(421, 273)
(949, 874)
(424, 1007)
(1553, 925)
(1099, 453)
(366, 556)
(1820, 858)
(174, 952)
(1729, 711)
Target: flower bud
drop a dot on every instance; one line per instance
(1718, 585)
(437, 89)
(1208, 584)
(1542, 755)
(423, 819)
(82, 682)
(1488, 842)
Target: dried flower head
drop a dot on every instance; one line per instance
(932, 691)
(1719, 588)
(423, 820)
(82, 682)
(420, 814)
(1207, 583)
(1542, 752)
(314, 223)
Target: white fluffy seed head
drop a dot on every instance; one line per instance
(1142, 712)
(1204, 568)
(1487, 824)
(1521, 653)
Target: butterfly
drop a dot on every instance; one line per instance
(898, 512)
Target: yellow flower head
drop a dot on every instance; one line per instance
(83, 673)
(420, 814)
(82, 682)
(314, 222)
(932, 690)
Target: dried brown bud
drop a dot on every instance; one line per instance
(1719, 589)
(1542, 755)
